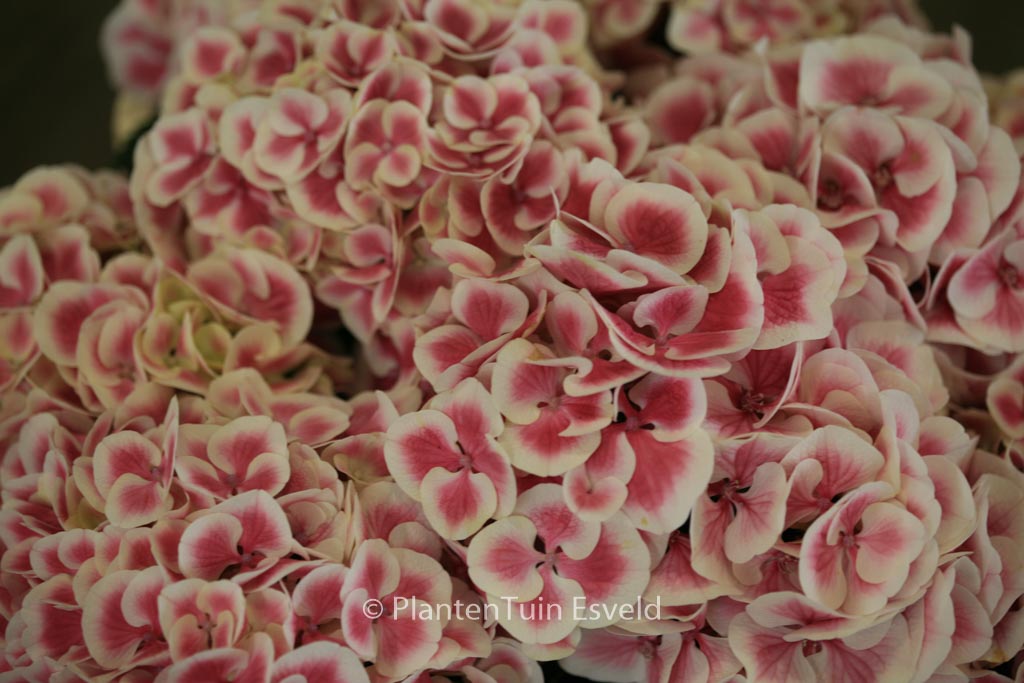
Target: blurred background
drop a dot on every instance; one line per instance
(57, 100)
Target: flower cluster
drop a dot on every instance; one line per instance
(676, 369)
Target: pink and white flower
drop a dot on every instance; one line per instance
(448, 456)
(596, 563)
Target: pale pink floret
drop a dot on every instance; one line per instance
(211, 52)
(316, 602)
(563, 21)
(689, 655)
(986, 294)
(120, 619)
(548, 431)
(324, 199)
(327, 662)
(399, 80)
(226, 204)
(469, 27)
(578, 336)
(387, 513)
(751, 394)
(250, 285)
(384, 149)
(603, 654)
(1005, 401)
(744, 512)
(596, 563)
(734, 25)
(359, 453)
(133, 477)
(246, 454)
(679, 109)
(23, 275)
(827, 464)
(801, 270)
(487, 125)
(183, 148)
(487, 315)
(658, 221)
(870, 71)
(129, 476)
(247, 534)
(513, 209)
(667, 457)
(786, 638)
(105, 355)
(613, 21)
(298, 130)
(508, 658)
(225, 665)
(66, 306)
(859, 553)
(196, 616)
(137, 47)
(351, 51)
(692, 327)
(52, 621)
(876, 161)
(363, 284)
(398, 641)
(447, 455)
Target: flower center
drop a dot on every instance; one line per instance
(830, 195)
(1010, 277)
(723, 489)
(249, 559)
(882, 177)
(649, 647)
(753, 403)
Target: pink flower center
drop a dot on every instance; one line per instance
(249, 559)
(385, 611)
(882, 177)
(1010, 277)
(754, 403)
(786, 564)
(830, 195)
(551, 404)
(726, 489)
(649, 646)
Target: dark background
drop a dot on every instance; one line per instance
(56, 100)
